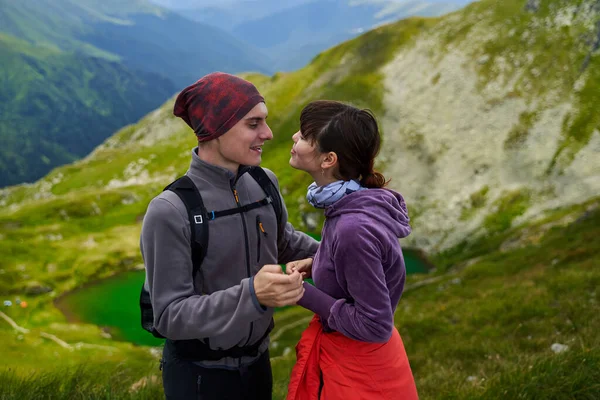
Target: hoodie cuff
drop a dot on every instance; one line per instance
(258, 306)
(317, 301)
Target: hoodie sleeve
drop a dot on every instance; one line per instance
(292, 245)
(368, 316)
(179, 313)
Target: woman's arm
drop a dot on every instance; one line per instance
(357, 256)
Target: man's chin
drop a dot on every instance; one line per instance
(255, 162)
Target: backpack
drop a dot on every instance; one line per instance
(199, 218)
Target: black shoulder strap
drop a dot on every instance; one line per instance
(189, 194)
(267, 185)
(199, 217)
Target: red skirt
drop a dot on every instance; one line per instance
(350, 369)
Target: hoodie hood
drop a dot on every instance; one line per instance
(383, 205)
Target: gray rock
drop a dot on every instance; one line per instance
(36, 288)
(483, 59)
(558, 348)
(532, 6)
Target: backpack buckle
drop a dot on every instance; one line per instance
(198, 219)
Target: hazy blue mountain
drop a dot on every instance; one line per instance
(227, 15)
(292, 32)
(293, 36)
(139, 34)
(74, 71)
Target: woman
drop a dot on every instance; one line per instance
(351, 349)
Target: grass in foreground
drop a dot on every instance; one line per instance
(483, 331)
(94, 381)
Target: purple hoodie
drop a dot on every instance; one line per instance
(359, 269)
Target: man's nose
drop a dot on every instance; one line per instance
(267, 133)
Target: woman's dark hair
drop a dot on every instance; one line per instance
(349, 132)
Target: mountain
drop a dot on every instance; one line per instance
(228, 14)
(291, 33)
(514, 145)
(74, 71)
(293, 36)
(57, 106)
(140, 35)
(491, 134)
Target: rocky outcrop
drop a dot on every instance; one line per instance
(451, 132)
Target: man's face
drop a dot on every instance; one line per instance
(242, 144)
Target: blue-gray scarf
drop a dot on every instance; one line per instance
(324, 196)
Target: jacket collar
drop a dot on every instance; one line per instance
(201, 170)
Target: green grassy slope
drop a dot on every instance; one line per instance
(484, 329)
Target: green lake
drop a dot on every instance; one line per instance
(113, 303)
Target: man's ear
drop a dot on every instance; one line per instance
(329, 161)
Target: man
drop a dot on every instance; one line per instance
(217, 322)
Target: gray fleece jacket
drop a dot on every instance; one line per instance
(220, 304)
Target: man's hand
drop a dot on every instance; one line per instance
(273, 288)
(304, 267)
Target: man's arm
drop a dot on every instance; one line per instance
(180, 313)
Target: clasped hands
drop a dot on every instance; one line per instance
(274, 288)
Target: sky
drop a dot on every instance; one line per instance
(182, 4)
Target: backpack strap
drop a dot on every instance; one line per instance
(239, 210)
(199, 218)
(190, 196)
(185, 189)
(195, 350)
(267, 185)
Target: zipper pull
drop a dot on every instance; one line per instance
(260, 226)
(235, 194)
(262, 229)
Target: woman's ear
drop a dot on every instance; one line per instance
(329, 161)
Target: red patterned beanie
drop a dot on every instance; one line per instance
(215, 103)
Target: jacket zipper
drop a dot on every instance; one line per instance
(260, 230)
(237, 202)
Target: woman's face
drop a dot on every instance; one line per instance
(305, 155)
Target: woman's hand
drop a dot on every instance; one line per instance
(303, 266)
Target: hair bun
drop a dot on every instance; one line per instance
(373, 180)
